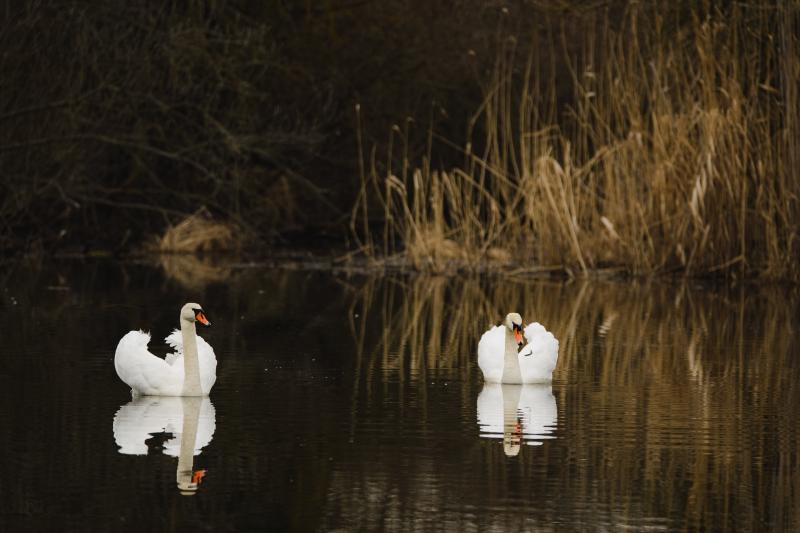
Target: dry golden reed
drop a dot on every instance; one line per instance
(199, 233)
(187, 251)
(677, 152)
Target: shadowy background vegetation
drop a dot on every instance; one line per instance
(643, 136)
(120, 119)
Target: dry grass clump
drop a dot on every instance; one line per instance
(438, 221)
(429, 248)
(186, 250)
(199, 233)
(678, 152)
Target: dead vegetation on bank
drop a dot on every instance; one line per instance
(677, 152)
(638, 137)
(188, 251)
(198, 233)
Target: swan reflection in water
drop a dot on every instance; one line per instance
(176, 426)
(518, 414)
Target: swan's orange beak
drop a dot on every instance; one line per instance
(200, 317)
(518, 334)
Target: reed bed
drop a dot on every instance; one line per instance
(675, 150)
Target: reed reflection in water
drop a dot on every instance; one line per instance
(355, 403)
(677, 405)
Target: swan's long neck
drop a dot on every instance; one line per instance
(191, 414)
(511, 370)
(191, 366)
(512, 424)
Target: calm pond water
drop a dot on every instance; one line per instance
(345, 402)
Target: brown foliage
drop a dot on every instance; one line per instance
(674, 152)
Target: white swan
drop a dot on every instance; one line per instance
(518, 414)
(179, 427)
(190, 371)
(503, 359)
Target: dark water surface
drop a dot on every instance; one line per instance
(355, 403)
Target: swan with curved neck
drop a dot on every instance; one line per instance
(191, 313)
(190, 371)
(503, 357)
(178, 427)
(517, 414)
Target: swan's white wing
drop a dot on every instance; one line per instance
(538, 358)
(534, 406)
(490, 411)
(141, 370)
(491, 353)
(137, 421)
(537, 405)
(205, 355)
(175, 341)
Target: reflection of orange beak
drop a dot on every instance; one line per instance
(200, 317)
(518, 336)
(197, 476)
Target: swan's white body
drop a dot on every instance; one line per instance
(518, 414)
(186, 423)
(137, 421)
(149, 375)
(501, 361)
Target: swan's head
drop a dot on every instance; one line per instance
(514, 324)
(194, 313)
(188, 486)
